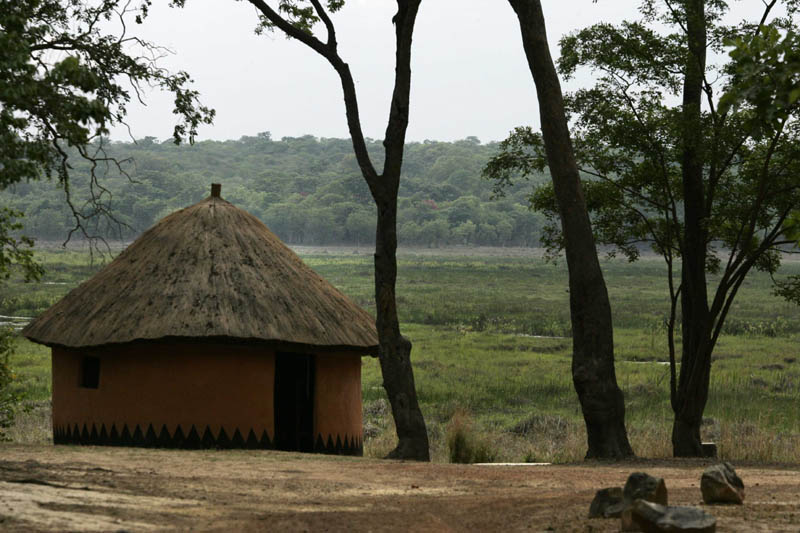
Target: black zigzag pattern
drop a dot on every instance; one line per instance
(148, 437)
(339, 447)
(193, 439)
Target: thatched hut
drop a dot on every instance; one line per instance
(208, 331)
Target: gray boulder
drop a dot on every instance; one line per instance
(640, 486)
(655, 518)
(606, 503)
(720, 484)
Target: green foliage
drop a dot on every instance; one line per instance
(522, 153)
(9, 400)
(50, 104)
(765, 75)
(644, 54)
(629, 142)
(65, 78)
(301, 14)
(16, 251)
(307, 190)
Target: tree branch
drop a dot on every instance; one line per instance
(767, 9)
(394, 140)
(346, 78)
(323, 15)
(290, 30)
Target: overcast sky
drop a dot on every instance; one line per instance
(469, 74)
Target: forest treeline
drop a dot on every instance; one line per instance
(307, 190)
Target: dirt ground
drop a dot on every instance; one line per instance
(73, 488)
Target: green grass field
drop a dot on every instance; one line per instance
(491, 349)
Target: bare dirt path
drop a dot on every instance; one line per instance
(65, 488)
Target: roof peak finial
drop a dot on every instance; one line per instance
(216, 189)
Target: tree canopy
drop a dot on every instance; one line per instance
(710, 184)
(68, 72)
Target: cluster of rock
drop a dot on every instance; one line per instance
(642, 505)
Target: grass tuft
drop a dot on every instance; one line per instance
(465, 444)
(32, 424)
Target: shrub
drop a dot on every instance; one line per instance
(9, 401)
(464, 443)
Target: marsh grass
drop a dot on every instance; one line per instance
(476, 324)
(33, 423)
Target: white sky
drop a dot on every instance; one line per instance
(469, 74)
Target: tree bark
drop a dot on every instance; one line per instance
(395, 350)
(593, 371)
(693, 381)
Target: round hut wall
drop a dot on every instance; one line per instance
(196, 395)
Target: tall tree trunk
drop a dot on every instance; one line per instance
(692, 392)
(593, 372)
(395, 350)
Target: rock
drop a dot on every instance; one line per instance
(376, 409)
(604, 500)
(710, 429)
(720, 484)
(655, 518)
(640, 486)
(709, 449)
(370, 430)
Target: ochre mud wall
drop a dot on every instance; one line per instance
(187, 395)
(163, 394)
(337, 404)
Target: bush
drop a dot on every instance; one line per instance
(9, 401)
(465, 445)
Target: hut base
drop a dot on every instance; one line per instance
(192, 439)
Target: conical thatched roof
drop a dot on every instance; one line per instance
(207, 271)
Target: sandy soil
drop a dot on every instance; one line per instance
(66, 488)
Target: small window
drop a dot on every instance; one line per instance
(90, 372)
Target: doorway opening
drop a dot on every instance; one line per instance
(294, 402)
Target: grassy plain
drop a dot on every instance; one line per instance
(492, 352)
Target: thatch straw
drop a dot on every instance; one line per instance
(207, 271)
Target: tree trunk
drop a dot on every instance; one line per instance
(593, 372)
(395, 350)
(692, 392)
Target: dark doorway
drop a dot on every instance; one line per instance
(294, 402)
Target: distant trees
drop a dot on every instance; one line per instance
(710, 184)
(286, 182)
